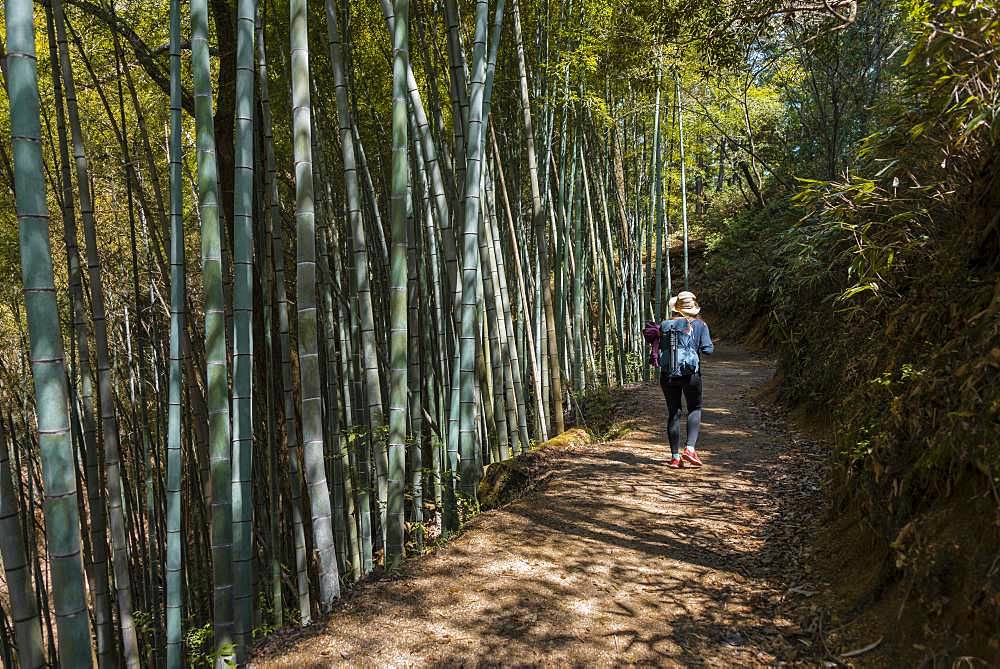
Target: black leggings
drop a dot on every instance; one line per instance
(690, 387)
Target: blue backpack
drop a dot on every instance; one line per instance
(678, 348)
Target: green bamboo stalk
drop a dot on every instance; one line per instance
(665, 202)
(459, 97)
(310, 398)
(561, 220)
(497, 338)
(98, 573)
(375, 214)
(646, 235)
(62, 517)
(495, 401)
(27, 627)
(469, 446)
(329, 339)
(151, 510)
(611, 279)
(109, 419)
(344, 449)
(29, 490)
(175, 420)
(486, 414)
(434, 296)
(338, 401)
(656, 203)
(579, 333)
(430, 290)
(328, 356)
(144, 511)
(270, 393)
(595, 275)
(432, 166)
(512, 353)
(398, 310)
(242, 437)
(684, 208)
(509, 395)
(215, 339)
(623, 294)
(564, 201)
(278, 259)
(414, 454)
(362, 280)
(550, 355)
(379, 275)
(450, 519)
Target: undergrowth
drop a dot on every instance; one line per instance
(599, 415)
(880, 295)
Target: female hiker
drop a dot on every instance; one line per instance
(683, 340)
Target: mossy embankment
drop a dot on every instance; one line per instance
(598, 416)
(880, 296)
(907, 386)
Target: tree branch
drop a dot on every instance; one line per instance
(704, 113)
(143, 53)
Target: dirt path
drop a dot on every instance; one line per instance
(619, 559)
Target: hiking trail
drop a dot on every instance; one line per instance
(615, 558)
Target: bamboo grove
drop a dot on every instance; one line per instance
(336, 258)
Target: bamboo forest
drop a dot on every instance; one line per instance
(327, 333)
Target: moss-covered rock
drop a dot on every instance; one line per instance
(505, 482)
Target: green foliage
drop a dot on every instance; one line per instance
(634, 365)
(468, 506)
(599, 414)
(264, 610)
(415, 538)
(879, 292)
(198, 641)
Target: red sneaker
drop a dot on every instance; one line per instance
(691, 457)
(675, 463)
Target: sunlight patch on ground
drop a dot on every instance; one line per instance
(508, 568)
(583, 607)
(733, 433)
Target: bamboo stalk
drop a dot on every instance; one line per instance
(62, 520)
(311, 400)
(242, 401)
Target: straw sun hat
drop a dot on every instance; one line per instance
(685, 303)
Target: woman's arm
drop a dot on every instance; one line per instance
(705, 345)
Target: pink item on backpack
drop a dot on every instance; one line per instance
(651, 333)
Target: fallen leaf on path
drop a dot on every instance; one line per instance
(802, 591)
(861, 651)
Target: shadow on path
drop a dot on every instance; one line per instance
(618, 559)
